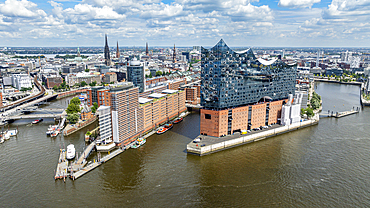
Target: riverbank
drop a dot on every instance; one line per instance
(338, 82)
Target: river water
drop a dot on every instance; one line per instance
(326, 165)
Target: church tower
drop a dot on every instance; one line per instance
(117, 53)
(106, 52)
(174, 54)
(147, 49)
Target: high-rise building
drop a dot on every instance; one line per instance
(127, 117)
(135, 74)
(239, 91)
(106, 52)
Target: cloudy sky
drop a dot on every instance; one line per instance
(322, 23)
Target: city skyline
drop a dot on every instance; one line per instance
(281, 23)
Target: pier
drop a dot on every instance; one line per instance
(339, 114)
(81, 161)
(61, 171)
(94, 165)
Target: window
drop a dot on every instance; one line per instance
(208, 116)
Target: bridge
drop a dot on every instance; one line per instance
(35, 116)
(35, 109)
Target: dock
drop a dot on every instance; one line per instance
(92, 166)
(339, 114)
(209, 144)
(80, 163)
(61, 171)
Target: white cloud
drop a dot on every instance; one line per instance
(23, 8)
(84, 12)
(298, 3)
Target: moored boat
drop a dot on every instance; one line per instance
(52, 127)
(139, 142)
(10, 133)
(177, 120)
(71, 152)
(162, 130)
(168, 126)
(37, 121)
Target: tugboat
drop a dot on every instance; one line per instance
(178, 120)
(37, 121)
(139, 142)
(71, 152)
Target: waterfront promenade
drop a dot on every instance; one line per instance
(208, 144)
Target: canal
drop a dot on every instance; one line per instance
(326, 165)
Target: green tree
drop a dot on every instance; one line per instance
(83, 84)
(76, 101)
(92, 84)
(43, 83)
(150, 76)
(158, 73)
(87, 70)
(94, 107)
(55, 88)
(72, 108)
(73, 118)
(111, 83)
(309, 112)
(303, 111)
(63, 85)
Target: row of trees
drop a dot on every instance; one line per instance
(157, 74)
(83, 84)
(63, 85)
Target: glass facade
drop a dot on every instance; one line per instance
(231, 79)
(135, 74)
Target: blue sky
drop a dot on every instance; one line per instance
(276, 23)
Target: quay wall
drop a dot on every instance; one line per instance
(245, 139)
(338, 82)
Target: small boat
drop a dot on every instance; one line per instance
(37, 121)
(168, 126)
(2, 139)
(52, 127)
(5, 136)
(162, 130)
(139, 142)
(71, 152)
(10, 133)
(49, 133)
(177, 120)
(55, 133)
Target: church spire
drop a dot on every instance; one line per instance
(106, 52)
(117, 53)
(174, 54)
(147, 49)
(78, 52)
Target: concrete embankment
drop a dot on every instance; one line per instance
(208, 145)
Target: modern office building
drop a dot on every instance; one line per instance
(135, 74)
(239, 91)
